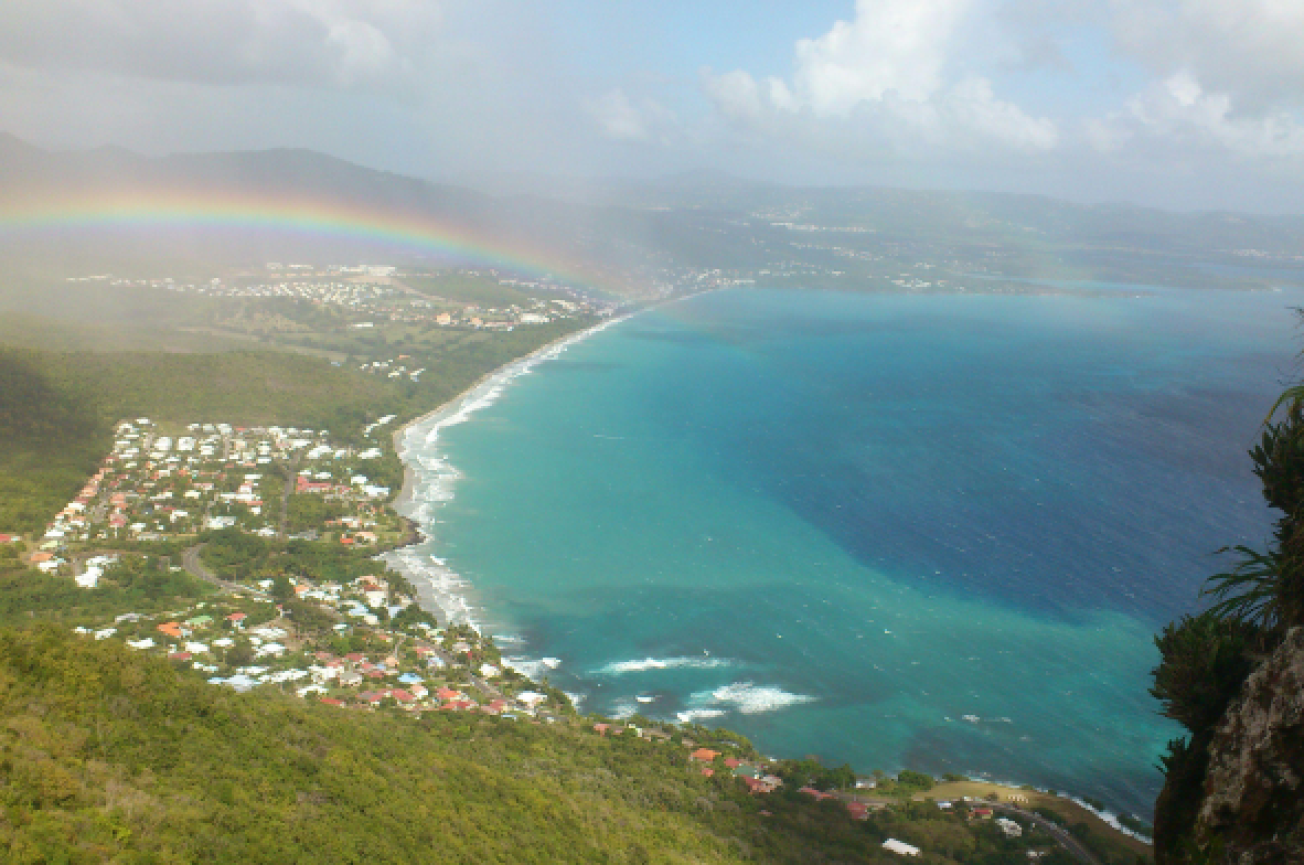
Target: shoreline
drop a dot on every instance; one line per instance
(527, 361)
(445, 593)
(406, 493)
(441, 590)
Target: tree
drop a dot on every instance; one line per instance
(282, 591)
(1205, 659)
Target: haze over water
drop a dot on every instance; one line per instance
(895, 531)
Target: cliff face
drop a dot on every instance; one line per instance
(1252, 811)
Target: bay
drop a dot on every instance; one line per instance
(889, 530)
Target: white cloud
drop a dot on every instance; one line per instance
(620, 119)
(223, 42)
(1249, 49)
(891, 46)
(1180, 111)
(883, 76)
(972, 105)
(1228, 82)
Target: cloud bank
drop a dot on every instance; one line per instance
(882, 80)
(1085, 98)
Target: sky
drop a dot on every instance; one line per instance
(1182, 104)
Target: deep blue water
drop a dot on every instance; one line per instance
(935, 532)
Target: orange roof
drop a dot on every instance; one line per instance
(172, 629)
(41, 557)
(706, 755)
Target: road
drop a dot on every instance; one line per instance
(1067, 841)
(191, 562)
(291, 477)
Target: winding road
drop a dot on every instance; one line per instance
(195, 567)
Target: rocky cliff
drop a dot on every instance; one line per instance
(1252, 809)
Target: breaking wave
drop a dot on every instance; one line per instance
(747, 698)
(619, 668)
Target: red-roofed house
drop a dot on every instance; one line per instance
(708, 771)
(705, 755)
(732, 762)
(815, 794)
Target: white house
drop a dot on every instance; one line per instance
(1009, 827)
(901, 848)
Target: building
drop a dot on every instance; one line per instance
(901, 848)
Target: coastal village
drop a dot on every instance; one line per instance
(161, 483)
(367, 296)
(201, 487)
(353, 642)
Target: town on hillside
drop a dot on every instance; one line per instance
(278, 530)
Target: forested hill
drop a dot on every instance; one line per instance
(110, 756)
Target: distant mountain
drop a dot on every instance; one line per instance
(229, 185)
(699, 219)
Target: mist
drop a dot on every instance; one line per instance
(1177, 105)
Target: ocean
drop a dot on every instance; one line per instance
(935, 532)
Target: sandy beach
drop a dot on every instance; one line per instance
(441, 590)
(403, 501)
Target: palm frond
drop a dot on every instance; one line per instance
(1293, 395)
(1249, 592)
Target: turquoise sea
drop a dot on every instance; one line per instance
(894, 531)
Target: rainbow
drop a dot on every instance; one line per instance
(394, 228)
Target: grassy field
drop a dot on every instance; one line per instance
(464, 289)
(1071, 811)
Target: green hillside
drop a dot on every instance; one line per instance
(58, 407)
(113, 757)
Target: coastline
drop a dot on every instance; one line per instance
(498, 375)
(509, 370)
(419, 461)
(440, 589)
